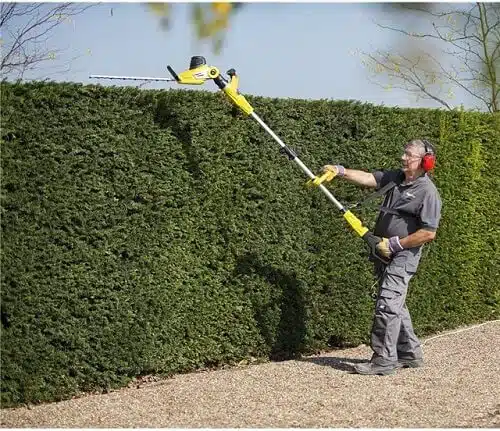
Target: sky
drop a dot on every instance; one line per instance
(284, 50)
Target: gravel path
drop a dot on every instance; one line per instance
(458, 387)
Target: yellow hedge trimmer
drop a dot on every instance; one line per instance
(199, 72)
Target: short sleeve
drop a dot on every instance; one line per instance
(385, 177)
(430, 213)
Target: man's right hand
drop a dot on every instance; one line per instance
(336, 169)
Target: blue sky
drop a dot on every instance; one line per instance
(296, 50)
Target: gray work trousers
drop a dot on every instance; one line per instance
(392, 334)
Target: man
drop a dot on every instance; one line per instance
(409, 218)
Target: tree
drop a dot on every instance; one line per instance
(467, 39)
(26, 29)
(210, 20)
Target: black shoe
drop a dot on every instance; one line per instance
(370, 368)
(410, 363)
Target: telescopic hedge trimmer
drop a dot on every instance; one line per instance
(199, 72)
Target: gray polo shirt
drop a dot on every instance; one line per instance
(418, 201)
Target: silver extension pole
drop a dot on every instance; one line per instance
(299, 162)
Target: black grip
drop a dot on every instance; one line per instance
(289, 152)
(372, 241)
(220, 82)
(197, 61)
(174, 75)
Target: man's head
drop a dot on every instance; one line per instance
(418, 157)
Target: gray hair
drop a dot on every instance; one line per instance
(419, 143)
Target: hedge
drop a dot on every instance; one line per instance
(160, 232)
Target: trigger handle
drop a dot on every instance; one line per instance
(327, 176)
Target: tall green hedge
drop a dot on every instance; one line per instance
(162, 231)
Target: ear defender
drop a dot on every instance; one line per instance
(429, 158)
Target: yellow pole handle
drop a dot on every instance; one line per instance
(355, 223)
(238, 99)
(327, 176)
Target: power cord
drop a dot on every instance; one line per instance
(460, 330)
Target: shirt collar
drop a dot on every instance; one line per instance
(419, 179)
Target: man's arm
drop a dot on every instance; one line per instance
(388, 246)
(417, 238)
(360, 178)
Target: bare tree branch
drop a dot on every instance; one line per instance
(413, 82)
(28, 26)
(466, 37)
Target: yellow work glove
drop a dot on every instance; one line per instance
(383, 248)
(329, 173)
(336, 169)
(388, 246)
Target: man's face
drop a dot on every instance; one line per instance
(411, 158)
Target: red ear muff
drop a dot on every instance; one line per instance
(429, 159)
(428, 162)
